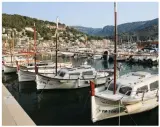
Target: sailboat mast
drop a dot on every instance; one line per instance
(11, 49)
(115, 45)
(35, 50)
(56, 43)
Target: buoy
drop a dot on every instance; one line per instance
(133, 107)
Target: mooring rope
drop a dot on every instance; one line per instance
(43, 90)
(132, 119)
(85, 103)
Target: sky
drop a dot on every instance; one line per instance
(87, 14)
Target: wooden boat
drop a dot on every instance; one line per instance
(131, 93)
(135, 92)
(73, 78)
(9, 68)
(28, 73)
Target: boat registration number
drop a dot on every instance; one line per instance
(116, 110)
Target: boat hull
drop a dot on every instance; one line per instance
(9, 69)
(103, 110)
(26, 76)
(44, 82)
(29, 75)
(97, 57)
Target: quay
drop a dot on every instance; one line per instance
(12, 113)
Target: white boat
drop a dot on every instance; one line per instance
(151, 60)
(9, 68)
(28, 73)
(42, 64)
(7, 58)
(22, 58)
(72, 78)
(67, 53)
(97, 57)
(135, 92)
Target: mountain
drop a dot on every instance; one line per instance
(88, 30)
(137, 28)
(23, 26)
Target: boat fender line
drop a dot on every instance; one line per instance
(134, 107)
(132, 119)
(85, 103)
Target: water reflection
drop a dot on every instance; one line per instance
(28, 96)
(8, 78)
(105, 64)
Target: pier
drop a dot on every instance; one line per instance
(12, 113)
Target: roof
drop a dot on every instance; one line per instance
(133, 78)
(81, 68)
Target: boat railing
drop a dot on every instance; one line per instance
(143, 93)
(78, 78)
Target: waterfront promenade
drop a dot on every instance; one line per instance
(12, 113)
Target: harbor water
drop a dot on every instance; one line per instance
(72, 107)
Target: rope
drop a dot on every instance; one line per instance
(85, 103)
(119, 114)
(132, 119)
(43, 90)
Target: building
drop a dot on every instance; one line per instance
(142, 44)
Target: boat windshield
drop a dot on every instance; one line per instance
(125, 90)
(111, 87)
(61, 73)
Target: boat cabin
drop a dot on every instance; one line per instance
(135, 83)
(83, 71)
(41, 63)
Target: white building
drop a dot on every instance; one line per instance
(29, 29)
(3, 30)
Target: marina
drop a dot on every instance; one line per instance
(56, 74)
(51, 108)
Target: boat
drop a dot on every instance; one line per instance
(73, 78)
(130, 93)
(135, 92)
(28, 73)
(9, 68)
(97, 57)
(67, 54)
(106, 55)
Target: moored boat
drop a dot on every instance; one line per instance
(72, 78)
(135, 92)
(28, 73)
(9, 68)
(97, 57)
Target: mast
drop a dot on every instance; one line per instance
(10, 45)
(35, 50)
(56, 42)
(115, 45)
